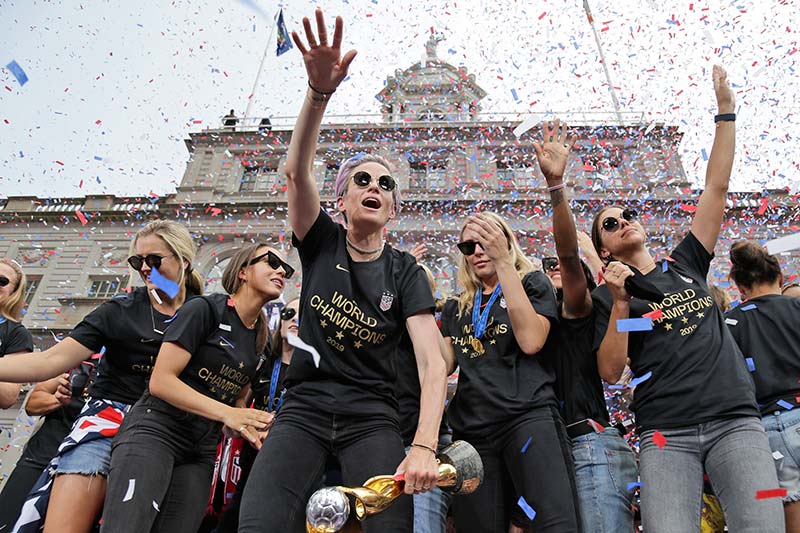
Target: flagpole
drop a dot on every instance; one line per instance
(260, 69)
(603, 60)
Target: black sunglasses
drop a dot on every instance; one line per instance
(274, 262)
(4, 281)
(467, 247)
(152, 260)
(363, 179)
(611, 224)
(549, 263)
(287, 313)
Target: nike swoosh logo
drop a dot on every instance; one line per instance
(340, 267)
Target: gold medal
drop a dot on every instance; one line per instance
(477, 345)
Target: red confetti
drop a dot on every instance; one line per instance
(772, 493)
(59, 162)
(81, 216)
(98, 122)
(659, 439)
(654, 315)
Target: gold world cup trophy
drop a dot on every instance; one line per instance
(460, 472)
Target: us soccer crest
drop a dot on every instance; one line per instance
(386, 300)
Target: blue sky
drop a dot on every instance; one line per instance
(115, 87)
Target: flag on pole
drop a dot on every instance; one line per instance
(588, 11)
(284, 41)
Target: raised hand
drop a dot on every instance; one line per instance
(493, 241)
(553, 150)
(726, 102)
(325, 66)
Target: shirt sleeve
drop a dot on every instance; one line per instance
(692, 255)
(19, 340)
(323, 232)
(541, 294)
(415, 291)
(448, 317)
(98, 326)
(192, 324)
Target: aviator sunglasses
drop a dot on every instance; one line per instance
(152, 260)
(287, 313)
(611, 224)
(4, 281)
(363, 179)
(274, 262)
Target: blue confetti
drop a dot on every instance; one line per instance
(169, 287)
(664, 266)
(514, 94)
(527, 508)
(636, 381)
(18, 73)
(633, 484)
(98, 158)
(705, 155)
(786, 405)
(749, 307)
(634, 324)
(751, 365)
(527, 443)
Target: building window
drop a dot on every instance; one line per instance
(516, 175)
(32, 256)
(107, 287)
(249, 179)
(30, 288)
(259, 179)
(427, 175)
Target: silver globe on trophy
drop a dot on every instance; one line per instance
(460, 472)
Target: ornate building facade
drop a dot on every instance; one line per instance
(450, 159)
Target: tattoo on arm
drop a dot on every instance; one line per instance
(556, 197)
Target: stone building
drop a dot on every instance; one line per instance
(449, 157)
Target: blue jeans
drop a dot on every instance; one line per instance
(430, 510)
(783, 431)
(604, 467)
(736, 455)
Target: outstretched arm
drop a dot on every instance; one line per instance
(326, 70)
(552, 153)
(711, 207)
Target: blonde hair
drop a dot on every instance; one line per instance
(11, 307)
(438, 302)
(277, 338)
(466, 276)
(179, 242)
(231, 282)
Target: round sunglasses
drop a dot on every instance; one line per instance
(611, 224)
(549, 263)
(152, 260)
(274, 263)
(363, 179)
(288, 313)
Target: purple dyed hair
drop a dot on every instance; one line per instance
(348, 167)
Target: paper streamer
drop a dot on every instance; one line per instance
(639, 380)
(297, 342)
(527, 508)
(527, 443)
(524, 126)
(634, 324)
(169, 287)
(131, 489)
(18, 73)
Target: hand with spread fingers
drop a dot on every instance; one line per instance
(325, 66)
(553, 150)
(491, 237)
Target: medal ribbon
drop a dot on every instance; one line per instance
(273, 385)
(479, 319)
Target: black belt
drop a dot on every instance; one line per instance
(588, 425)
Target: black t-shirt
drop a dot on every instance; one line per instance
(130, 334)
(14, 337)
(767, 330)
(578, 384)
(503, 382)
(408, 392)
(698, 373)
(353, 314)
(224, 357)
(261, 386)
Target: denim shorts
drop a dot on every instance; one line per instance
(783, 430)
(89, 458)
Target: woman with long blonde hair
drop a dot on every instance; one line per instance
(14, 337)
(128, 329)
(505, 405)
